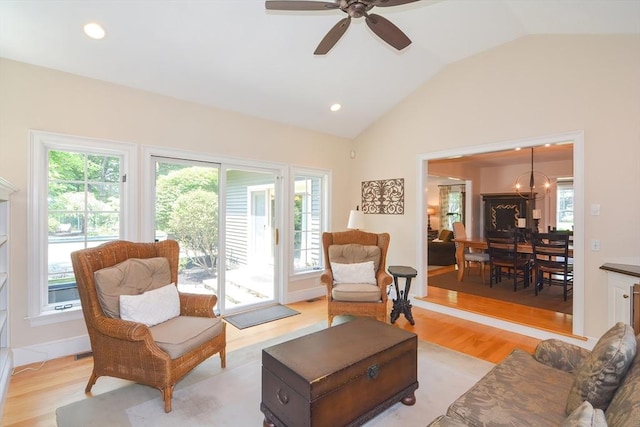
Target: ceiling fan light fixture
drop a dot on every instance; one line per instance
(94, 31)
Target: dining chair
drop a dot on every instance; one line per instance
(551, 258)
(503, 255)
(482, 258)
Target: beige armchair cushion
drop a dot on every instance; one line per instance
(131, 277)
(355, 253)
(356, 292)
(181, 334)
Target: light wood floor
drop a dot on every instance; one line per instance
(36, 391)
(560, 323)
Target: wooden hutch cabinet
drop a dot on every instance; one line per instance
(502, 210)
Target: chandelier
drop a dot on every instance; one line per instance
(539, 184)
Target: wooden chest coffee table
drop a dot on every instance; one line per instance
(341, 376)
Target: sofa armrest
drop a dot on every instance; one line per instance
(560, 355)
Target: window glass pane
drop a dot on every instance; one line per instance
(79, 214)
(104, 197)
(564, 220)
(187, 211)
(103, 168)
(307, 222)
(68, 166)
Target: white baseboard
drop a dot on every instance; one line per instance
(81, 344)
(305, 295)
(503, 324)
(50, 350)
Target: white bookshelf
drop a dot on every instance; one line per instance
(6, 356)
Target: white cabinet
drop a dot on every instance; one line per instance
(6, 357)
(620, 281)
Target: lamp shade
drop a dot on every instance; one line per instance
(356, 220)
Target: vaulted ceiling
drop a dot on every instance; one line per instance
(236, 55)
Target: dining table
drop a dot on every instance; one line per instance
(480, 243)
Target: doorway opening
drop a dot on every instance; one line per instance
(432, 164)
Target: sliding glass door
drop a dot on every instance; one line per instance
(250, 237)
(224, 218)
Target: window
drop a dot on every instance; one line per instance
(77, 201)
(564, 203)
(452, 202)
(308, 220)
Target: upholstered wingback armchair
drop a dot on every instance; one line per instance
(143, 350)
(355, 274)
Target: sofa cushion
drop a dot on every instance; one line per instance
(585, 416)
(152, 307)
(355, 253)
(358, 272)
(624, 409)
(131, 277)
(519, 391)
(560, 355)
(356, 292)
(597, 379)
(184, 333)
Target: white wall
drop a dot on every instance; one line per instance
(35, 98)
(532, 87)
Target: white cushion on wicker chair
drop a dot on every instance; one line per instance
(359, 272)
(152, 307)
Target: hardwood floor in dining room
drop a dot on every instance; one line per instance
(547, 320)
(36, 391)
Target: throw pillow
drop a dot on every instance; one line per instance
(446, 235)
(599, 376)
(585, 416)
(361, 272)
(131, 277)
(152, 307)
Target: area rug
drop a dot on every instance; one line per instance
(260, 316)
(550, 298)
(211, 396)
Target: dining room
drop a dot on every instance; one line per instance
(527, 189)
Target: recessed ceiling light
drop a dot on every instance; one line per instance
(518, 148)
(93, 30)
(336, 107)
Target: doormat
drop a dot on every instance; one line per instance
(260, 316)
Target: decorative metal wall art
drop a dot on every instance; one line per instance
(384, 196)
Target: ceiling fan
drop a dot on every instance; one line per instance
(382, 27)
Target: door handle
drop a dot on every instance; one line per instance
(277, 236)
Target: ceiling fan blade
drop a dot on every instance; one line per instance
(387, 31)
(300, 5)
(332, 37)
(387, 3)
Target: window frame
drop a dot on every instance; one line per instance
(39, 311)
(325, 180)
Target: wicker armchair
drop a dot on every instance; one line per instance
(356, 299)
(126, 349)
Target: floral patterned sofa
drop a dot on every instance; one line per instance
(559, 385)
